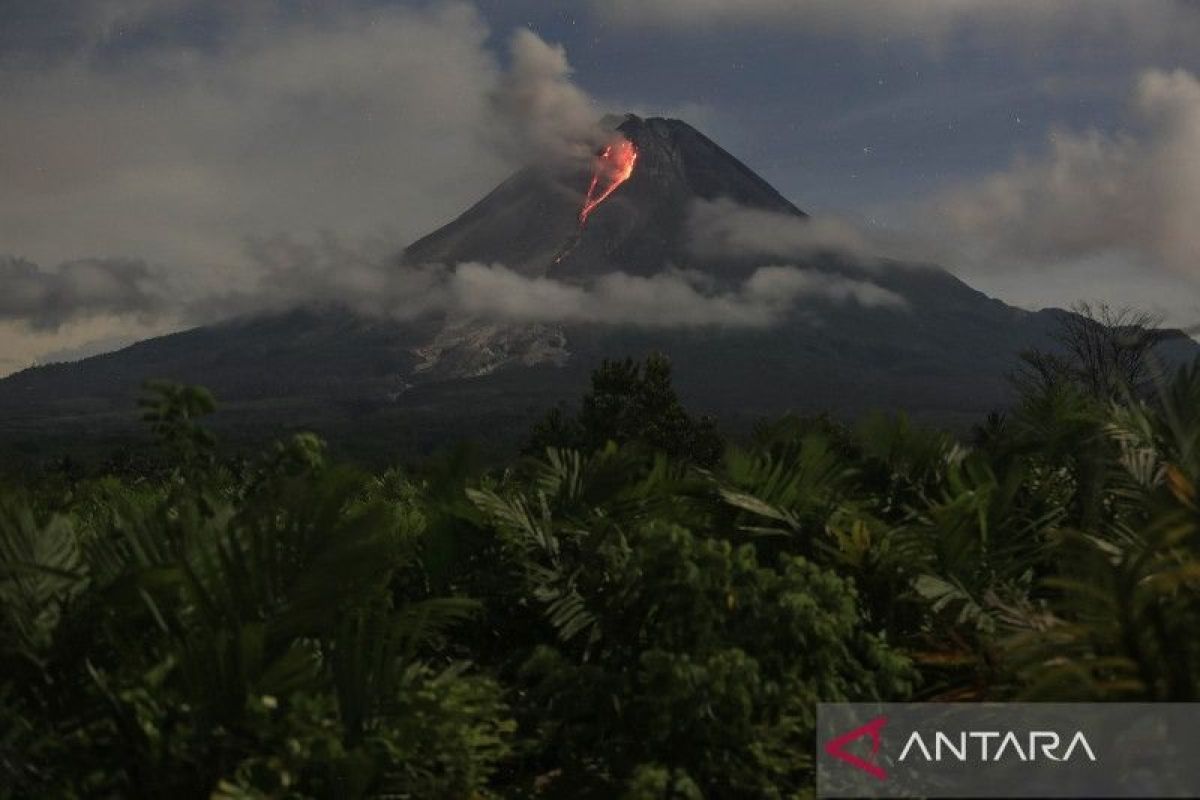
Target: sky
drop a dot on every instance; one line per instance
(161, 161)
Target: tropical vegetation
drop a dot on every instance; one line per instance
(633, 608)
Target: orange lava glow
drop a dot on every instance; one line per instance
(614, 165)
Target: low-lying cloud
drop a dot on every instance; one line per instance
(722, 228)
(666, 300)
(366, 281)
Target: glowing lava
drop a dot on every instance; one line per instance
(614, 165)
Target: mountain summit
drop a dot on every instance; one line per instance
(530, 223)
(942, 352)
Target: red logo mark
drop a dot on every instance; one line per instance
(835, 747)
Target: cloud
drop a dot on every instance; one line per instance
(1092, 195)
(361, 275)
(666, 300)
(363, 279)
(931, 20)
(722, 228)
(355, 120)
(45, 300)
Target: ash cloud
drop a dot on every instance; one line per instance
(541, 110)
(47, 299)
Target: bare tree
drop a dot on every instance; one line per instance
(1105, 351)
(1109, 347)
(1041, 371)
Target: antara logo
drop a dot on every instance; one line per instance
(960, 746)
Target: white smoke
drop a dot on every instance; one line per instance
(543, 114)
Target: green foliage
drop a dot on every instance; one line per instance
(237, 641)
(708, 662)
(632, 402)
(631, 610)
(171, 412)
(676, 646)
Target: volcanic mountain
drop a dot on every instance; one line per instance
(941, 352)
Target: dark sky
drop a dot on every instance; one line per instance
(1047, 149)
(856, 121)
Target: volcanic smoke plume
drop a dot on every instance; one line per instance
(614, 165)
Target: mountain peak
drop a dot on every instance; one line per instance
(531, 222)
(707, 169)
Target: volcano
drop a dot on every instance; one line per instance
(943, 355)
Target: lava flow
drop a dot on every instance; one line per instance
(614, 165)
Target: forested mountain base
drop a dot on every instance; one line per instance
(630, 610)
